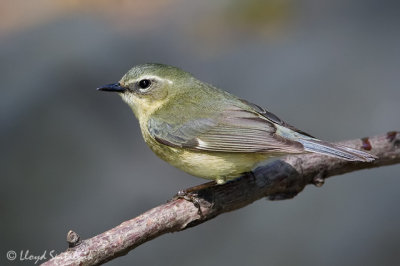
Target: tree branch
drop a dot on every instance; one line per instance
(280, 179)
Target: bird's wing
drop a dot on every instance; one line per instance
(246, 128)
(235, 129)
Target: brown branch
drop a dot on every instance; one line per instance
(280, 179)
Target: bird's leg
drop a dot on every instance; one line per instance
(196, 188)
(190, 194)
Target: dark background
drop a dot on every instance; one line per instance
(73, 158)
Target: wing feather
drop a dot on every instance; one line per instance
(243, 128)
(235, 130)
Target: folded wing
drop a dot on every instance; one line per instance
(246, 129)
(234, 130)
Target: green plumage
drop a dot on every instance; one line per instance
(208, 132)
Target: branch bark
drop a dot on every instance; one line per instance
(280, 179)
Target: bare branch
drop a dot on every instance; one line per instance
(280, 179)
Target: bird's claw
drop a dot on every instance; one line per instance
(190, 196)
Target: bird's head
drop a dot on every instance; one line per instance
(145, 88)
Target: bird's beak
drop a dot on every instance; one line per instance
(115, 87)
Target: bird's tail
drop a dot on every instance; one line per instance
(312, 144)
(335, 150)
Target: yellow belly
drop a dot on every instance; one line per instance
(218, 166)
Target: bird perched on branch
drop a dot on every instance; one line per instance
(208, 132)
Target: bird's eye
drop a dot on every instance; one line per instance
(144, 83)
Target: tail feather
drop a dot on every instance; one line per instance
(335, 150)
(312, 144)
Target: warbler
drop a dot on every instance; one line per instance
(208, 132)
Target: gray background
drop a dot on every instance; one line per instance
(73, 158)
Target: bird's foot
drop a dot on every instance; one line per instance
(191, 194)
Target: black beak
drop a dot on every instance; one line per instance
(115, 87)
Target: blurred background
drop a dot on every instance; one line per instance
(73, 158)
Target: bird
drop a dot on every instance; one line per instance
(208, 132)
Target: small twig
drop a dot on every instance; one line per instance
(280, 179)
(73, 239)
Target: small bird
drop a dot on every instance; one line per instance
(210, 133)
